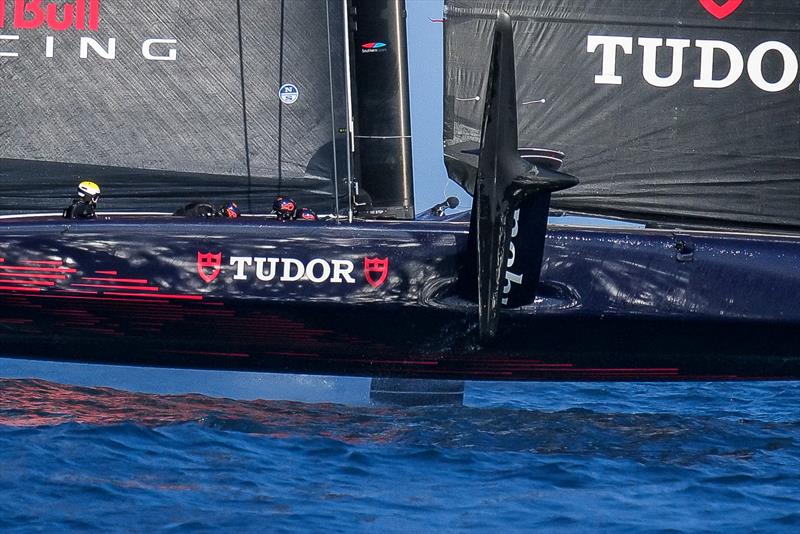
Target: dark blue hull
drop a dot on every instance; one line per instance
(382, 299)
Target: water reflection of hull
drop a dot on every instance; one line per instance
(614, 304)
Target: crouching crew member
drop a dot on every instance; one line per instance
(83, 207)
(286, 209)
(204, 209)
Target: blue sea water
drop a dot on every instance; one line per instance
(570, 457)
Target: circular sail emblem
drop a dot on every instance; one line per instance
(289, 93)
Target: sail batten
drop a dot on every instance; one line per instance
(672, 111)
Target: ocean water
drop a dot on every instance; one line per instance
(518, 457)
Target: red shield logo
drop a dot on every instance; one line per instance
(721, 11)
(376, 270)
(208, 265)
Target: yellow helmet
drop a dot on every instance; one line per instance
(89, 191)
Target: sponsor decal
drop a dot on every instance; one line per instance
(721, 64)
(712, 53)
(374, 47)
(317, 271)
(723, 10)
(206, 261)
(33, 14)
(266, 269)
(511, 278)
(288, 93)
(376, 270)
(58, 16)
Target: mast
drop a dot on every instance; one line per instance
(382, 120)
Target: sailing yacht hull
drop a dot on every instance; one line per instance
(382, 299)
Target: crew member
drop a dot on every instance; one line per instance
(83, 207)
(286, 209)
(228, 209)
(307, 214)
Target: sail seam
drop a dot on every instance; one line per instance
(491, 14)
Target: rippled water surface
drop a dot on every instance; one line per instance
(519, 457)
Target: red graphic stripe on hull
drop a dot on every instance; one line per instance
(110, 273)
(408, 362)
(32, 275)
(30, 282)
(161, 295)
(208, 353)
(105, 286)
(29, 289)
(40, 269)
(65, 295)
(119, 280)
(627, 370)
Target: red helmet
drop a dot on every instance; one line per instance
(285, 208)
(230, 210)
(307, 215)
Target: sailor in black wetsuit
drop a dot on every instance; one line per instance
(84, 206)
(205, 209)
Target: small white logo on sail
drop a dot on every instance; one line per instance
(288, 93)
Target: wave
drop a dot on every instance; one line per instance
(74, 457)
(39, 404)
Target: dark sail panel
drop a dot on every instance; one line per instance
(165, 102)
(678, 111)
(296, 148)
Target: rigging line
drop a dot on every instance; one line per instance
(333, 114)
(444, 189)
(350, 142)
(280, 107)
(244, 107)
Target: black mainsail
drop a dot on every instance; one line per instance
(165, 102)
(686, 111)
